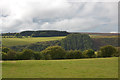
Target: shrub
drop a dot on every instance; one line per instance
(107, 51)
(11, 55)
(54, 52)
(26, 54)
(5, 49)
(69, 54)
(73, 54)
(89, 53)
(98, 54)
(117, 53)
(38, 56)
(19, 56)
(4, 56)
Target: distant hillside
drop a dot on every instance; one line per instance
(50, 33)
(102, 34)
(40, 33)
(99, 42)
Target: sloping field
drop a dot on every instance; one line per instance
(103, 36)
(74, 68)
(25, 41)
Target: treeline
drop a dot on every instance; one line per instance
(42, 33)
(39, 46)
(57, 52)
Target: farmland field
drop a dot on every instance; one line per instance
(103, 36)
(71, 68)
(25, 41)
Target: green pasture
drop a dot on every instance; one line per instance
(103, 36)
(71, 68)
(25, 41)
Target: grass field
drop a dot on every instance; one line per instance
(101, 36)
(25, 41)
(76, 68)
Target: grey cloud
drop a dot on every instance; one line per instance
(58, 15)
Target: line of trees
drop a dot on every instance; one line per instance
(57, 52)
(42, 33)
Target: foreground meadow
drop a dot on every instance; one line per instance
(71, 68)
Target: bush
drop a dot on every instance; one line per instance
(89, 53)
(98, 55)
(11, 55)
(107, 51)
(4, 56)
(26, 54)
(74, 54)
(5, 49)
(19, 56)
(69, 54)
(54, 52)
(38, 56)
(117, 54)
(78, 54)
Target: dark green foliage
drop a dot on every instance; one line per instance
(42, 33)
(69, 54)
(46, 56)
(27, 54)
(39, 46)
(8, 34)
(10, 55)
(19, 56)
(55, 52)
(117, 54)
(76, 41)
(74, 54)
(107, 51)
(38, 56)
(5, 49)
(26, 33)
(49, 33)
(99, 54)
(4, 56)
(89, 53)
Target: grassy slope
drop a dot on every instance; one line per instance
(103, 36)
(79, 68)
(25, 41)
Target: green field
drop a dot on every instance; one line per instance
(103, 36)
(25, 41)
(76, 68)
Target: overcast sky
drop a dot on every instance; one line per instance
(65, 15)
